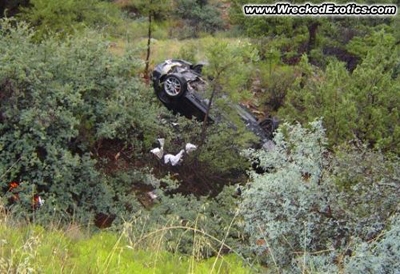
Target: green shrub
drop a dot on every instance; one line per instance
(312, 209)
(274, 85)
(67, 17)
(60, 103)
(355, 105)
(382, 255)
(281, 207)
(201, 227)
(197, 17)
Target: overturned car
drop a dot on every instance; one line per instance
(179, 85)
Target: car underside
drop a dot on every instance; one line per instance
(179, 85)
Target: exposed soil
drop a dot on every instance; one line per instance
(193, 176)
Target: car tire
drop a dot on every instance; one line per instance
(174, 86)
(163, 97)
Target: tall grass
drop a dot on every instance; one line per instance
(165, 48)
(28, 248)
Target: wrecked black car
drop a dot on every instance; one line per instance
(179, 85)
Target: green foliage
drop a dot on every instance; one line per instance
(375, 92)
(379, 256)
(222, 148)
(317, 37)
(198, 17)
(362, 104)
(60, 101)
(230, 65)
(275, 81)
(189, 51)
(280, 208)
(216, 162)
(328, 94)
(229, 68)
(76, 122)
(66, 17)
(368, 182)
(311, 209)
(291, 35)
(201, 227)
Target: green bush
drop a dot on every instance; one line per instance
(281, 207)
(312, 209)
(67, 17)
(275, 81)
(379, 256)
(355, 105)
(201, 227)
(60, 103)
(197, 17)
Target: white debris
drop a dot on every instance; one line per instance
(159, 152)
(173, 159)
(152, 195)
(40, 201)
(37, 201)
(190, 148)
(170, 158)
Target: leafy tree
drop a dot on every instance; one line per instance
(152, 10)
(317, 37)
(367, 183)
(374, 90)
(228, 68)
(327, 93)
(273, 82)
(298, 35)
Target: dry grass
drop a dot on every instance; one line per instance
(169, 48)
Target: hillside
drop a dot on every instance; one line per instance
(80, 125)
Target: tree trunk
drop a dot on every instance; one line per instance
(312, 37)
(147, 61)
(204, 127)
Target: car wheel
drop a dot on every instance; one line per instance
(174, 86)
(163, 97)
